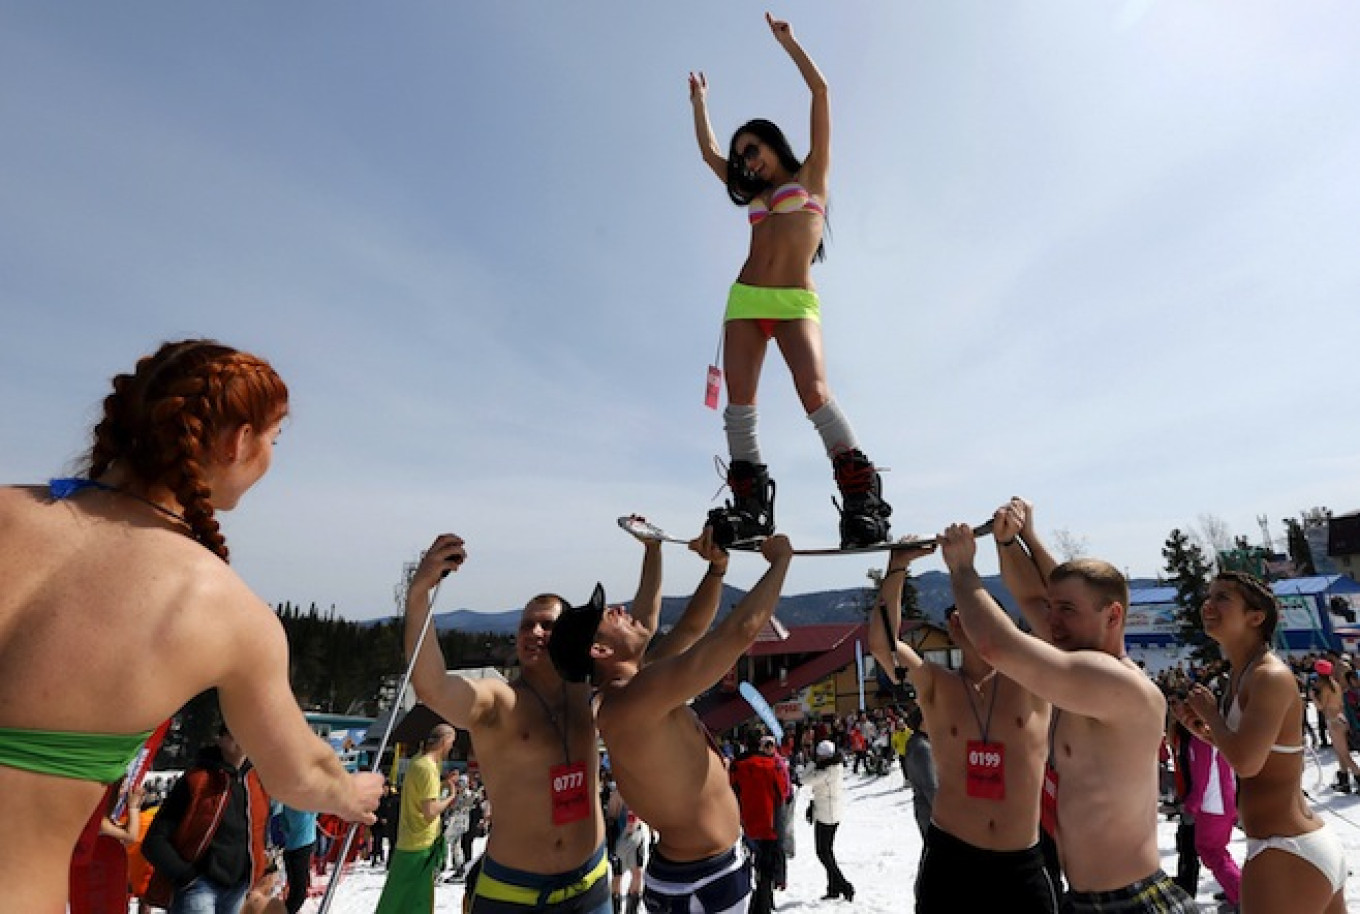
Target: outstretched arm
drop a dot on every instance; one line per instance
(817, 165)
(1019, 570)
(703, 606)
(1086, 682)
(703, 130)
(895, 656)
(457, 699)
(669, 683)
(296, 766)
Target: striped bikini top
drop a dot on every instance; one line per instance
(787, 198)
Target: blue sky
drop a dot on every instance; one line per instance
(1099, 253)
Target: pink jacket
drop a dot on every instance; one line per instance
(1213, 790)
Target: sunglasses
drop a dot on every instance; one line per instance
(749, 152)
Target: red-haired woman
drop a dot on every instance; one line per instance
(1294, 864)
(119, 606)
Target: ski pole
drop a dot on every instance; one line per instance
(382, 747)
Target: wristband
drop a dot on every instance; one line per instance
(894, 571)
(714, 574)
(1009, 542)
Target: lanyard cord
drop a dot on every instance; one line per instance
(552, 718)
(991, 705)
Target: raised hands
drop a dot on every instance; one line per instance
(704, 547)
(446, 554)
(698, 87)
(783, 32)
(959, 547)
(776, 548)
(904, 554)
(1009, 520)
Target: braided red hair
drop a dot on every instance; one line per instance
(162, 420)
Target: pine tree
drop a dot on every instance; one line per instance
(1187, 570)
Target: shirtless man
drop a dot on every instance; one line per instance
(667, 767)
(1108, 720)
(535, 740)
(990, 739)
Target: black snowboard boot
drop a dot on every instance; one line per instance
(750, 512)
(633, 902)
(864, 513)
(1343, 781)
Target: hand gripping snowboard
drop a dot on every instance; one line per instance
(643, 529)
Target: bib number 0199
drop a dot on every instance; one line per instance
(984, 759)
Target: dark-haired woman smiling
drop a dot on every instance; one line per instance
(774, 298)
(1294, 865)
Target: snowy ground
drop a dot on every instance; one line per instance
(878, 847)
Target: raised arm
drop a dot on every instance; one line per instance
(457, 699)
(702, 607)
(126, 834)
(817, 165)
(647, 600)
(297, 766)
(703, 130)
(669, 683)
(1019, 570)
(1087, 682)
(885, 619)
(1043, 559)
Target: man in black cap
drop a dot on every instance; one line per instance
(667, 767)
(535, 741)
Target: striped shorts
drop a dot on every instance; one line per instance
(716, 885)
(1156, 894)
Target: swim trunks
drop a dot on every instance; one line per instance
(782, 304)
(715, 885)
(99, 757)
(957, 876)
(1156, 894)
(1320, 848)
(584, 890)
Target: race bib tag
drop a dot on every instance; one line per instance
(569, 801)
(714, 383)
(1048, 802)
(986, 770)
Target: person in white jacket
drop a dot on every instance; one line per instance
(823, 777)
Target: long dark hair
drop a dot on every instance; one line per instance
(742, 185)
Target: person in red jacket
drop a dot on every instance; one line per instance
(208, 842)
(760, 789)
(859, 745)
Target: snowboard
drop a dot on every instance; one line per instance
(644, 529)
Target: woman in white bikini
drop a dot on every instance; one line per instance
(1294, 864)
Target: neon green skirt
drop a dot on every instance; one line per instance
(761, 303)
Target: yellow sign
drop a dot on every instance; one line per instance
(821, 697)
